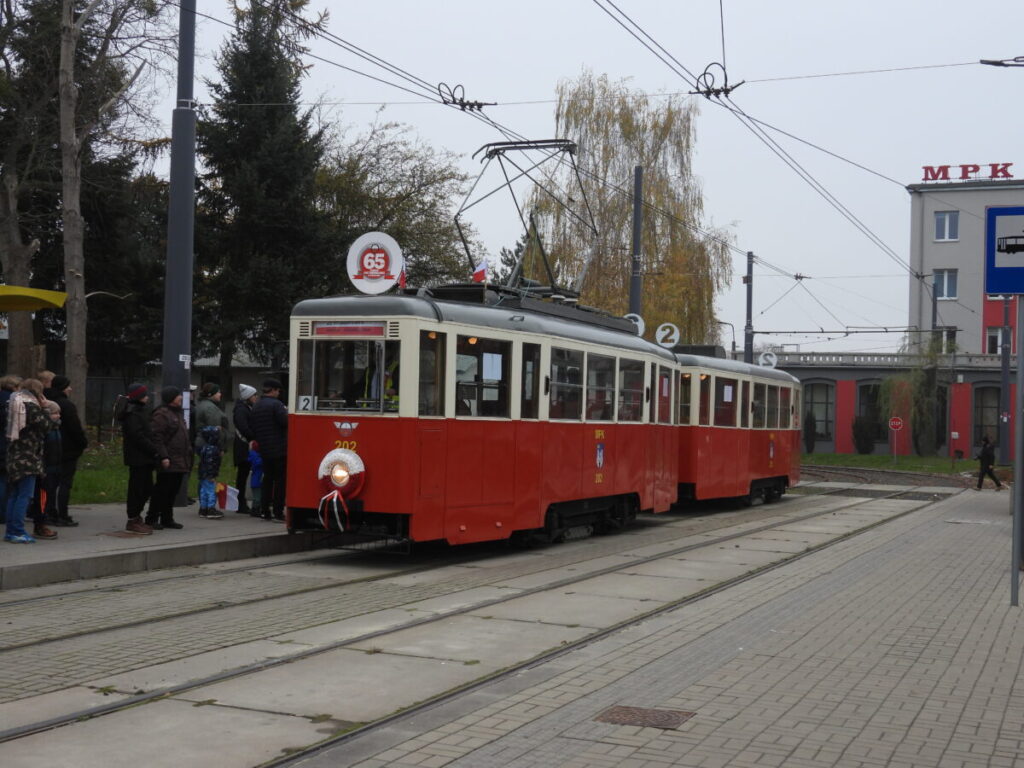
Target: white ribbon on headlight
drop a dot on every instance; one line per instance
(350, 460)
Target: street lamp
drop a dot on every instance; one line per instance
(733, 329)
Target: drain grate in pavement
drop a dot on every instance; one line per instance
(644, 717)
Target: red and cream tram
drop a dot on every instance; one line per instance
(467, 415)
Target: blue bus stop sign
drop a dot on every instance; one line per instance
(1004, 250)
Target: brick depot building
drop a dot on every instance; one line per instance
(947, 247)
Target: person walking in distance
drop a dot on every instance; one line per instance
(243, 437)
(986, 459)
(269, 424)
(73, 445)
(170, 433)
(141, 455)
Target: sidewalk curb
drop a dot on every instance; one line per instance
(151, 559)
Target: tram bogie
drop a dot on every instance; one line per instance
(421, 418)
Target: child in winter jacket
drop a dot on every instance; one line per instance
(209, 468)
(255, 478)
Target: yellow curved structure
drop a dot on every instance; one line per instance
(16, 298)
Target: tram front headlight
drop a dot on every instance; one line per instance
(340, 475)
(342, 470)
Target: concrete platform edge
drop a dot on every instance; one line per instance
(116, 563)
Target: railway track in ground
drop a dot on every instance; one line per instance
(742, 520)
(825, 473)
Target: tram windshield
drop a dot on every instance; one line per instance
(348, 375)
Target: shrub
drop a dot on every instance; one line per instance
(810, 432)
(863, 435)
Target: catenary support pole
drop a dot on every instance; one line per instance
(1004, 390)
(177, 352)
(748, 329)
(1018, 473)
(635, 280)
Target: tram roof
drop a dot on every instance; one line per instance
(521, 316)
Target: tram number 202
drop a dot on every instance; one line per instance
(348, 445)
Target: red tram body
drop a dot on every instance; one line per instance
(468, 415)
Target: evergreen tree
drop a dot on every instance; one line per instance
(261, 241)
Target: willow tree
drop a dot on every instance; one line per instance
(685, 265)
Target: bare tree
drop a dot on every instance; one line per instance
(105, 47)
(25, 160)
(685, 264)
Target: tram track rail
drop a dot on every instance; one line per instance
(461, 557)
(256, 667)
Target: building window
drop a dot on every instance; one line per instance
(947, 340)
(945, 284)
(819, 400)
(947, 225)
(992, 339)
(986, 413)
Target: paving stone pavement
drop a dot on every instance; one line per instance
(78, 660)
(896, 647)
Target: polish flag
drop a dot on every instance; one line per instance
(480, 271)
(401, 280)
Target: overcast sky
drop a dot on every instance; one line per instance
(892, 123)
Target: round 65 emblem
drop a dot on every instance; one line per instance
(374, 262)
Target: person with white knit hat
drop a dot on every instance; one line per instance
(243, 437)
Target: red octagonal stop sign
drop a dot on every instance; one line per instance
(896, 423)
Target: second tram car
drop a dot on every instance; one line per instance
(469, 414)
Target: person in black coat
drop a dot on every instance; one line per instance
(243, 437)
(170, 433)
(73, 442)
(141, 455)
(987, 458)
(269, 424)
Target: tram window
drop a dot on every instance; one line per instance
(685, 390)
(529, 406)
(482, 376)
(796, 409)
(652, 396)
(773, 407)
(566, 384)
(760, 398)
(664, 395)
(745, 406)
(785, 397)
(705, 400)
(675, 384)
(432, 346)
(349, 375)
(600, 387)
(304, 380)
(726, 397)
(631, 390)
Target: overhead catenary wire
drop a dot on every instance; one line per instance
(421, 87)
(688, 77)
